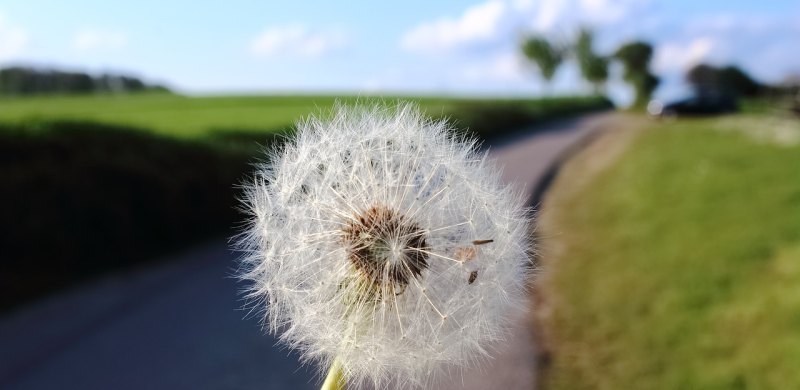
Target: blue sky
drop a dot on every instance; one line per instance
(414, 46)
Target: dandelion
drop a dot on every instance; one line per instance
(385, 247)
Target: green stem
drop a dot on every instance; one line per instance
(335, 379)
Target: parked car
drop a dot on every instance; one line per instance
(709, 103)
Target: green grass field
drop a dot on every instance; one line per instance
(672, 258)
(170, 114)
(200, 116)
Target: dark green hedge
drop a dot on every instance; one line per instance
(492, 119)
(81, 198)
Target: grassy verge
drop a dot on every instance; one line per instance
(81, 197)
(672, 259)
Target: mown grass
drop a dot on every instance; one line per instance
(678, 266)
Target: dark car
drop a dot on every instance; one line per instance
(708, 103)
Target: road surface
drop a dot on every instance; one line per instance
(179, 324)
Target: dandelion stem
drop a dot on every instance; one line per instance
(335, 379)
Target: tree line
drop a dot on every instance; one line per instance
(31, 81)
(548, 55)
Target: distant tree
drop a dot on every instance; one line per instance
(25, 81)
(132, 84)
(9, 80)
(108, 83)
(647, 84)
(546, 55)
(635, 58)
(73, 82)
(731, 79)
(594, 68)
(702, 76)
(635, 55)
(740, 82)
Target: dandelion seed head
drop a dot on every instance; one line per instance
(379, 238)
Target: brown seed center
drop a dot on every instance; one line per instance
(386, 247)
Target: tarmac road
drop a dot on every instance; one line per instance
(178, 324)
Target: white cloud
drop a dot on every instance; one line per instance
(763, 45)
(680, 56)
(479, 23)
(13, 40)
(609, 11)
(504, 67)
(501, 21)
(296, 40)
(546, 14)
(563, 16)
(99, 40)
(482, 42)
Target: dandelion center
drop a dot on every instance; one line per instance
(386, 247)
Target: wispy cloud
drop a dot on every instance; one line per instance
(91, 39)
(503, 67)
(680, 56)
(13, 39)
(297, 40)
(478, 24)
(763, 45)
(502, 21)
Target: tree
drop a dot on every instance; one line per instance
(740, 82)
(729, 79)
(702, 76)
(26, 81)
(594, 68)
(546, 56)
(635, 58)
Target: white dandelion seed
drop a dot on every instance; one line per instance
(380, 241)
